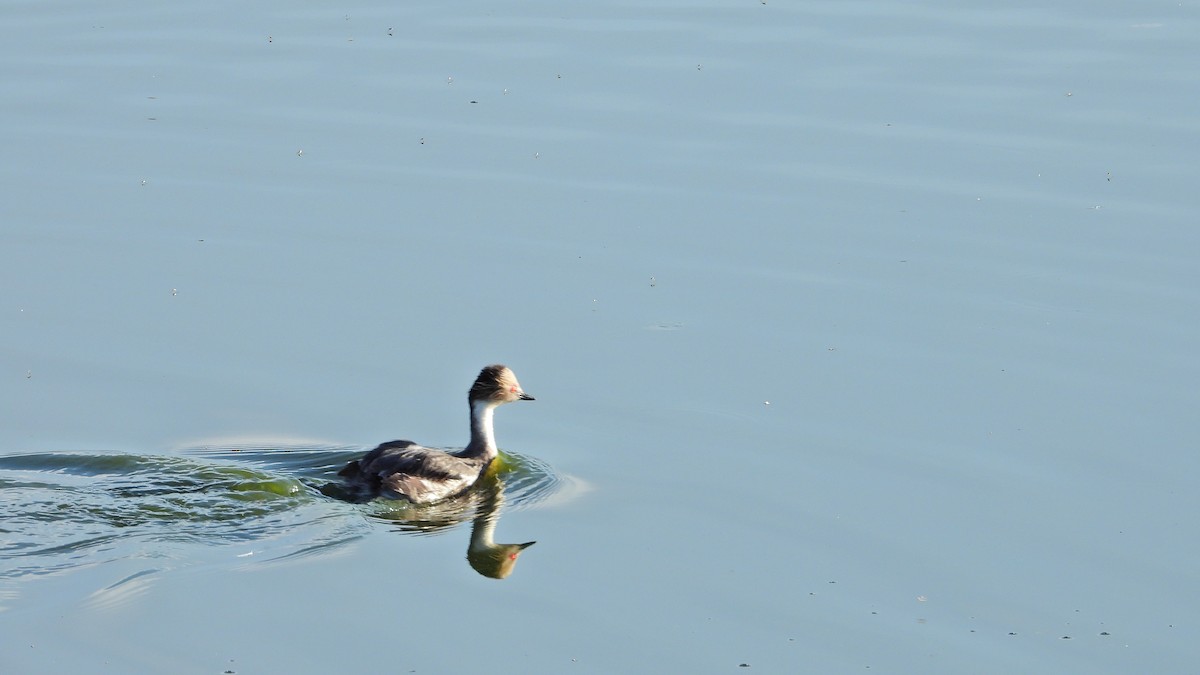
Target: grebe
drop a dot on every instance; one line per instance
(405, 470)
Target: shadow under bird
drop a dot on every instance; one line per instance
(421, 475)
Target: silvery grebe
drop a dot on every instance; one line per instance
(405, 470)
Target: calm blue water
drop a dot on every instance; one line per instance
(862, 334)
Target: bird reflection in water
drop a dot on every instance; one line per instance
(482, 504)
(485, 555)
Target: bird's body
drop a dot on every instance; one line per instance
(406, 470)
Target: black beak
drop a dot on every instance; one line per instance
(527, 397)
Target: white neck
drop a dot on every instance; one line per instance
(483, 437)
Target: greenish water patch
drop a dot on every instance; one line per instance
(66, 510)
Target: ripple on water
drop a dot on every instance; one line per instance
(64, 510)
(69, 510)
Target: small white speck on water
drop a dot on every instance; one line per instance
(174, 291)
(652, 282)
(28, 374)
(766, 403)
(143, 181)
(506, 92)
(536, 155)
(449, 80)
(299, 153)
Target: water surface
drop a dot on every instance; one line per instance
(868, 326)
